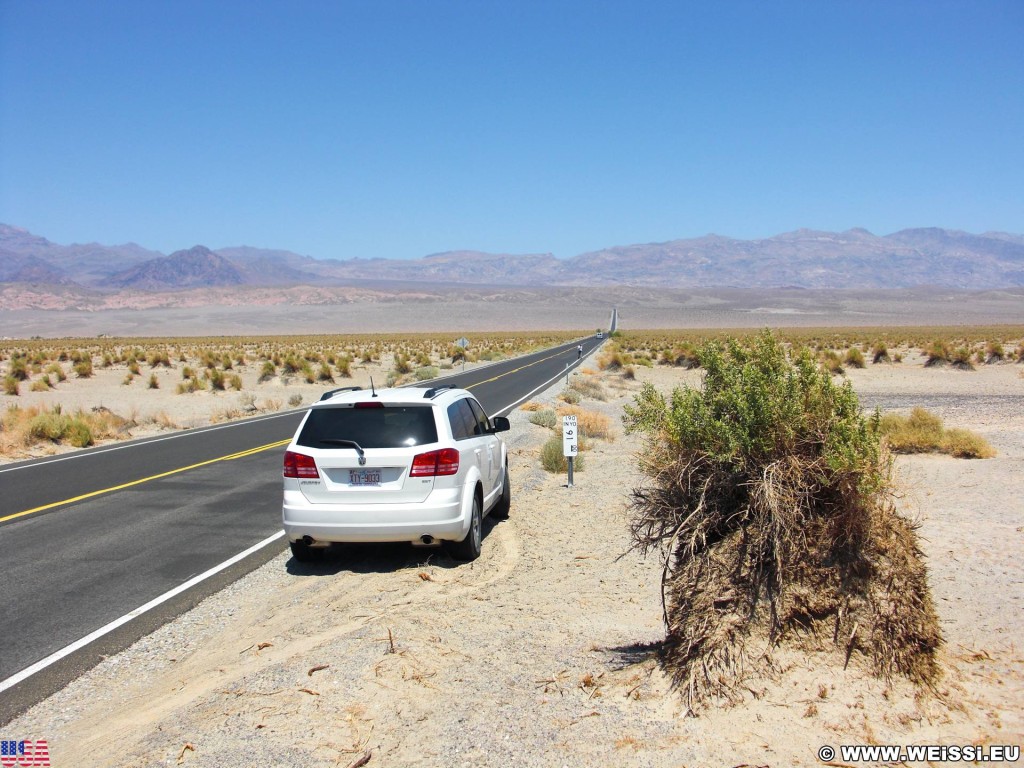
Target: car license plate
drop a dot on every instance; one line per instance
(364, 477)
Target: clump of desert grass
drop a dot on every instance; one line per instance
(769, 495)
(854, 358)
(22, 428)
(588, 387)
(994, 353)
(923, 432)
(553, 460)
(937, 354)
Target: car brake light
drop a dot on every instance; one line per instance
(432, 463)
(369, 404)
(299, 465)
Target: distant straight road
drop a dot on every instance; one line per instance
(89, 537)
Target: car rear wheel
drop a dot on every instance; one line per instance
(469, 548)
(504, 505)
(304, 553)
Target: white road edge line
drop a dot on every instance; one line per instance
(78, 644)
(42, 664)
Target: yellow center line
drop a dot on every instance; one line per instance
(91, 494)
(515, 370)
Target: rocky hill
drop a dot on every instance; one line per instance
(198, 267)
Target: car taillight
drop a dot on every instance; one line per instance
(432, 463)
(299, 465)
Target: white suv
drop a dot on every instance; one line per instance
(412, 464)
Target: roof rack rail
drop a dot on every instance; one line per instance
(433, 392)
(332, 392)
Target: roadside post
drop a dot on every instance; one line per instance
(463, 343)
(570, 441)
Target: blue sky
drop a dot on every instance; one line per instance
(398, 129)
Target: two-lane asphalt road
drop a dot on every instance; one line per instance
(90, 538)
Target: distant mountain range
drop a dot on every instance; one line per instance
(803, 259)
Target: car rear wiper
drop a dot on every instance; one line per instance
(349, 443)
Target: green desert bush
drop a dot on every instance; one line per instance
(426, 373)
(544, 418)
(769, 494)
(553, 460)
(11, 385)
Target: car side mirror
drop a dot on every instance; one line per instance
(500, 424)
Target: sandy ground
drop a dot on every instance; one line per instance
(542, 652)
(434, 307)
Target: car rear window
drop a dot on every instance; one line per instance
(396, 426)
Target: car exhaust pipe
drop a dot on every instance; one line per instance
(427, 539)
(307, 540)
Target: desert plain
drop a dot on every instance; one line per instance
(544, 652)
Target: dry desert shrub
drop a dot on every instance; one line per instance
(588, 387)
(591, 423)
(769, 495)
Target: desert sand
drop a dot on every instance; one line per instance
(544, 651)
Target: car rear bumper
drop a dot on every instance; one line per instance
(441, 516)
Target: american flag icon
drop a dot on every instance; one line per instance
(24, 754)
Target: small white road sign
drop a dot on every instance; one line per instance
(570, 436)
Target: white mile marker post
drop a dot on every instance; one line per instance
(570, 441)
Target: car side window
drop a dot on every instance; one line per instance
(462, 419)
(481, 424)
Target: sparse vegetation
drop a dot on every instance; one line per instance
(923, 432)
(21, 428)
